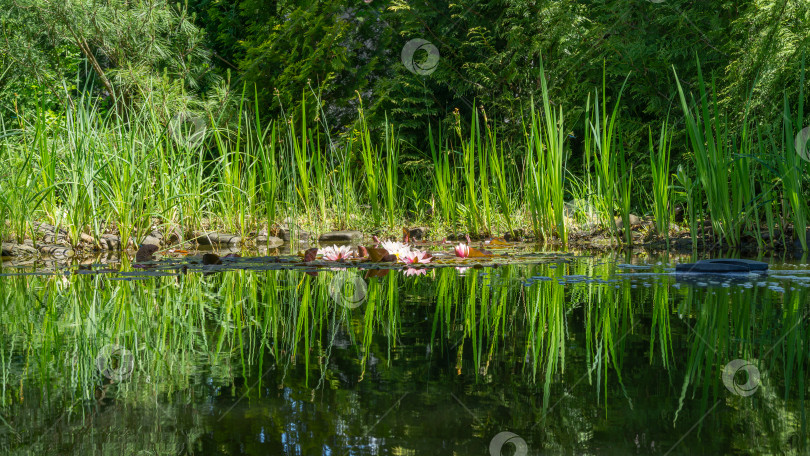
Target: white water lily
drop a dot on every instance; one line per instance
(398, 249)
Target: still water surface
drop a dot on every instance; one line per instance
(552, 354)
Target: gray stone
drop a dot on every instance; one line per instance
(151, 240)
(270, 242)
(17, 250)
(797, 244)
(341, 236)
(514, 235)
(722, 265)
(110, 242)
(214, 238)
(285, 234)
(753, 265)
(56, 251)
(418, 234)
(634, 220)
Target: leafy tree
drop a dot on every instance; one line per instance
(134, 52)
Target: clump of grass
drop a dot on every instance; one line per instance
(608, 157)
(708, 134)
(659, 163)
(545, 165)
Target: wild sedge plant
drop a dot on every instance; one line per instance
(484, 150)
(371, 166)
(81, 136)
(605, 136)
(125, 181)
(499, 176)
(470, 149)
(708, 134)
(793, 168)
(545, 167)
(301, 150)
(443, 188)
(391, 173)
(537, 191)
(690, 195)
(659, 163)
(19, 199)
(624, 188)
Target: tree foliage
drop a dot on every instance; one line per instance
(340, 51)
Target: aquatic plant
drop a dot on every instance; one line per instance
(545, 167)
(415, 257)
(462, 250)
(336, 253)
(659, 162)
(409, 272)
(398, 249)
(608, 155)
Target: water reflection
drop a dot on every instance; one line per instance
(582, 355)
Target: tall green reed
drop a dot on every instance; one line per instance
(711, 144)
(391, 189)
(604, 128)
(371, 166)
(659, 163)
(545, 164)
(443, 179)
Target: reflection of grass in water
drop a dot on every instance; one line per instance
(233, 323)
(762, 328)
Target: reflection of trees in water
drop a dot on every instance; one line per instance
(446, 361)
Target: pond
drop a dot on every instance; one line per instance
(553, 354)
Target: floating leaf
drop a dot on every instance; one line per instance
(310, 254)
(479, 253)
(211, 258)
(145, 252)
(376, 255)
(377, 273)
(498, 242)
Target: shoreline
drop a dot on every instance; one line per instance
(52, 244)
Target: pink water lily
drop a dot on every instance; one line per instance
(335, 253)
(416, 257)
(462, 250)
(414, 272)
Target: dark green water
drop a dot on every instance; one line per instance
(573, 355)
